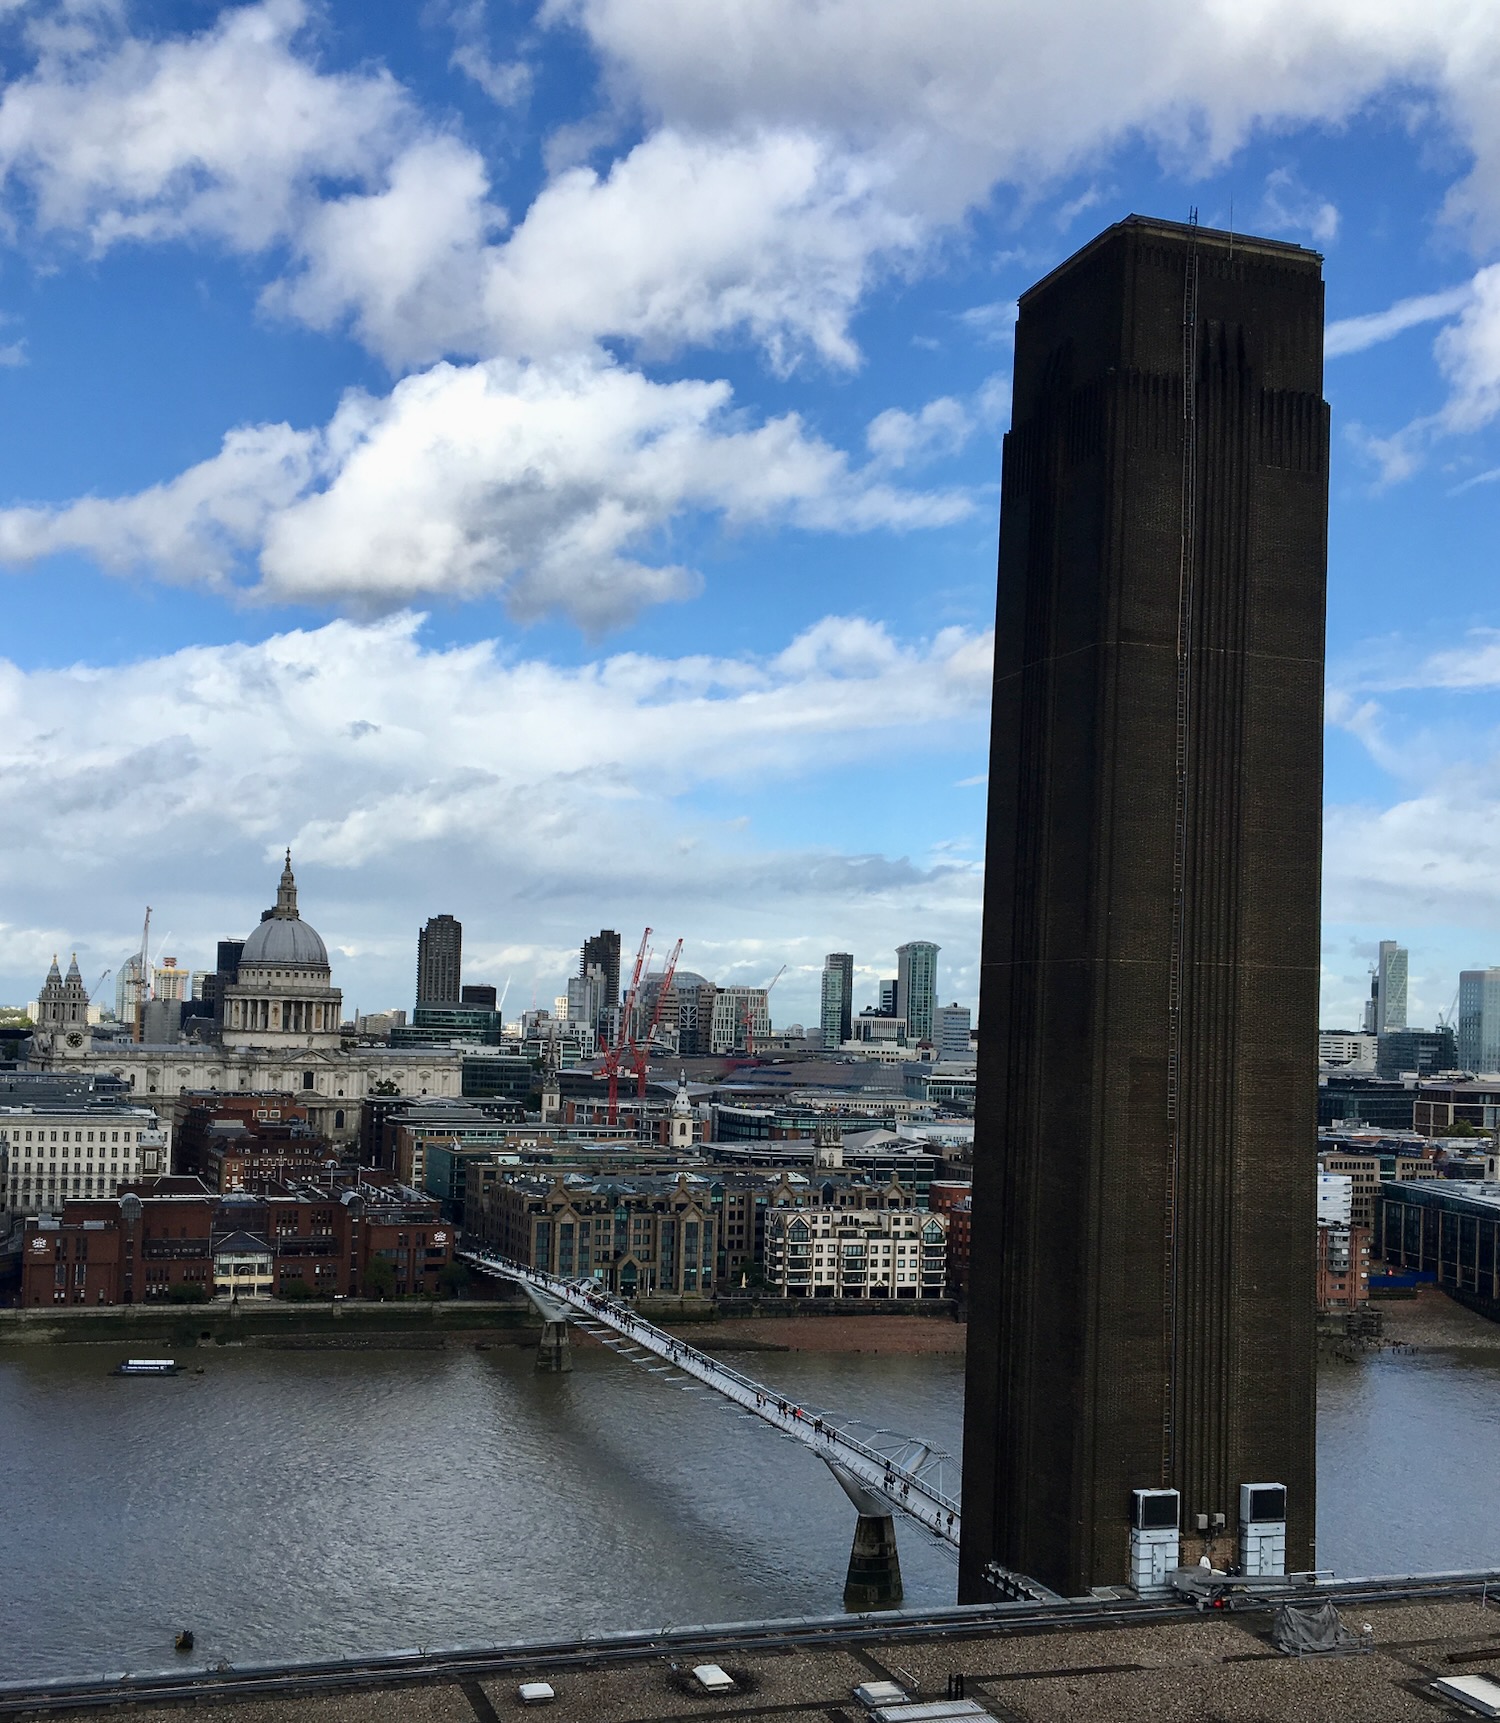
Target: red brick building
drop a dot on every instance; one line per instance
(1343, 1268)
(322, 1238)
(951, 1197)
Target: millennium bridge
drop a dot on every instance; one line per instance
(883, 1474)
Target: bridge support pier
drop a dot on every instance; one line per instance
(554, 1351)
(874, 1578)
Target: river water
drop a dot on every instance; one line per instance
(299, 1504)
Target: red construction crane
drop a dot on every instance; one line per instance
(640, 1055)
(614, 1056)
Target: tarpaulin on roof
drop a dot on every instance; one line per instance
(1302, 1627)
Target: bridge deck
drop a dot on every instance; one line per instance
(904, 1476)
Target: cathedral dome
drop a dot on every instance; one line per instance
(283, 939)
(287, 943)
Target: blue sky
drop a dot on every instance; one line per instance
(539, 461)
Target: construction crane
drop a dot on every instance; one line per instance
(614, 1056)
(99, 983)
(640, 1055)
(749, 1024)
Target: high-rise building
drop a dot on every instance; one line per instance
(440, 951)
(1390, 987)
(1141, 1294)
(916, 986)
(888, 998)
(1479, 1021)
(602, 952)
(838, 998)
(950, 1032)
(482, 994)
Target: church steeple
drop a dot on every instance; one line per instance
(286, 894)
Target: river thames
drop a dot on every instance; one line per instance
(292, 1504)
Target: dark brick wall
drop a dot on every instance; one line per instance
(1102, 1357)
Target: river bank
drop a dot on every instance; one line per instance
(294, 1327)
(1434, 1320)
(902, 1336)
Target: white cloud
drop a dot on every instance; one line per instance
(506, 82)
(1289, 207)
(901, 439)
(381, 761)
(549, 484)
(686, 240)
(405, 264)
(1356, 334)
(1468, 356)
(227, 133)
(194, 528)
(1468, 353)
(961, 93)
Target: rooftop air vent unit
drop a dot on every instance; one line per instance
(1155, 1541)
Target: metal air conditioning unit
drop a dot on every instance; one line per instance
(1155, 1538)
(1263, 1528)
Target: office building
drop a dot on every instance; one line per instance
(1141, 1297)
(916, 986)
(1347, 1049)
(1418, 1052)
(741, 1019)
(950, 1033)
(888, 998)
(838, 998)
(53, 1152)
(1386, 1007)
(483, 996)
(440, 954)
(602, 953)
(1479, 1021)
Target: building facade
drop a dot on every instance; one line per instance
(143, 1248)
(51, 1155)
(894, 1251)
(1390, 987)
(916, 986)
(950, 1034)
(440, 961)
(653, 1237)
(1479, 1021)
(837, 1015)
(1144, 1261)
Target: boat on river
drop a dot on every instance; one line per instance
(148, 1367)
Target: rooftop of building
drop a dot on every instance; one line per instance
(1181, 233)
(1089, 1668)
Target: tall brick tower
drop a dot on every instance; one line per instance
(1141, 1301)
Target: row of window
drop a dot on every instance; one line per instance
(78, 1137)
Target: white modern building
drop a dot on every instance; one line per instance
(1335, 1199)
(53, 1155)
(742, 1015)
(950, 1034)
(856, 1253)
(1347, 1049)
(916, 986)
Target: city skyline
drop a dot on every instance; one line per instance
(727, 647)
